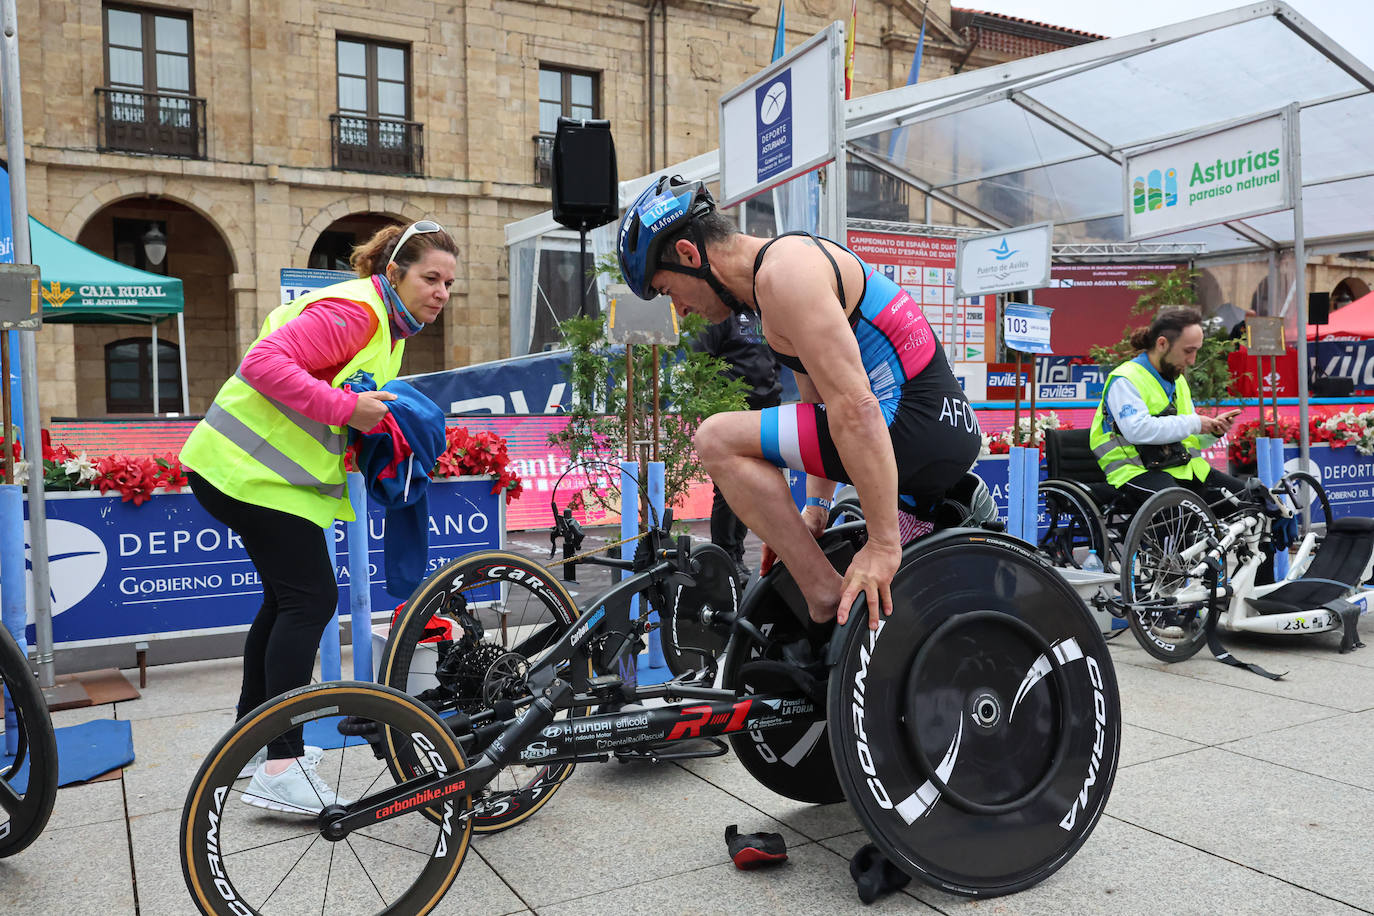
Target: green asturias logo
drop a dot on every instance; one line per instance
(1155, 191)
(1159, 189)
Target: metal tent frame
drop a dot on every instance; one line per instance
(1044, 138)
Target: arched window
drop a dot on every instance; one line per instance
(129, 376)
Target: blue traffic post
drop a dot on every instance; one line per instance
(1030, 495)
(1274, 446)
(650, 670)
(13, 602)
(1016, 506)
(629, 530)
(359, 580)
(330, 666)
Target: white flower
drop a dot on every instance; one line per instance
(21, 472)
(81, 467)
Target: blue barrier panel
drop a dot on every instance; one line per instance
(1345, 474)
(123, 572)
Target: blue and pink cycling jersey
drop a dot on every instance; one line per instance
(935, 436)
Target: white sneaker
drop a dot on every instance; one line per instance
(312, 755)
(297, 790)
(1169, 632)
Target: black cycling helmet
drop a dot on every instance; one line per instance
(661, 212)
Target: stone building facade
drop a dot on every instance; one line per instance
(258, 136)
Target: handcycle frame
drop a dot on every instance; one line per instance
(1011, 635)
(557, 684)
(1240, 538)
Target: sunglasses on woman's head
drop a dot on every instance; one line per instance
(419, 227)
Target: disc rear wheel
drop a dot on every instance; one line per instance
(976, 732)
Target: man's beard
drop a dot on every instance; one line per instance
(1169, 370)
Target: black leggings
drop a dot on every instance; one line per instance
(1216, 487)
(299, 596)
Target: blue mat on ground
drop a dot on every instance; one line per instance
(325, 733)
(84, 752)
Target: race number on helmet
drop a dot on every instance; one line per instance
(656, 215)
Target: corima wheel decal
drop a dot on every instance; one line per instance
(1065, 651)
(920, 802)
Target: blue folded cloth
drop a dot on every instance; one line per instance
(403, 492)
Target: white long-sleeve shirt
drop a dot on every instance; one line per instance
(1132, 418)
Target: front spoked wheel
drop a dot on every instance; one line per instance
(1166, 603)
(465, 643)
(241, 854)
(977, 731)
(28, 753)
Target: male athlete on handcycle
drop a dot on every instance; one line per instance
(1145, 431)
(880, 408)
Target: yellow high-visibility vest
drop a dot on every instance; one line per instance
(262, 452)
(1119, 459)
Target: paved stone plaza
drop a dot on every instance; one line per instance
(1234, 794)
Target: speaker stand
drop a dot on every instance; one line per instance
(582, 266)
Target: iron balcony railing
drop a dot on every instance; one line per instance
(383, 145)
(543, 160)
(158, 123)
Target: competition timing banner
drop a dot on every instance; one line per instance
(122, 572)
(784, 121)
(1245, 169)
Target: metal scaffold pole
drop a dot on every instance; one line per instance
(10, 97)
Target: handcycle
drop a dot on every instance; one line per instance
(976, 732)
(28, 784)
(1182, 566)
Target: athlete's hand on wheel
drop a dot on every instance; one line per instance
(370, 410)
(814, 517)
(870, 574)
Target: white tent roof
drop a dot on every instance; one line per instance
(1052, 131)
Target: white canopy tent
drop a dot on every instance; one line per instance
(1044, 139)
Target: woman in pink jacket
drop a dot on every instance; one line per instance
(267, 462)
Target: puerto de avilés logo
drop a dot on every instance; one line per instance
(1001, 252)
(1155, 191)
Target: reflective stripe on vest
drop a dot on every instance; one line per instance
(1120, 460)
(260, 451)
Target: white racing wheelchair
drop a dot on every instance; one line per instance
(1181, 567)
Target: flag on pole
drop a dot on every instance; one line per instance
(780, 36)
(849, 48)
(896, 150)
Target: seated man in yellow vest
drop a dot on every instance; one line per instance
(1145, 433)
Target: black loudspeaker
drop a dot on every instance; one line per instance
(585, 182)
(1318, 308)
(1332, 386)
